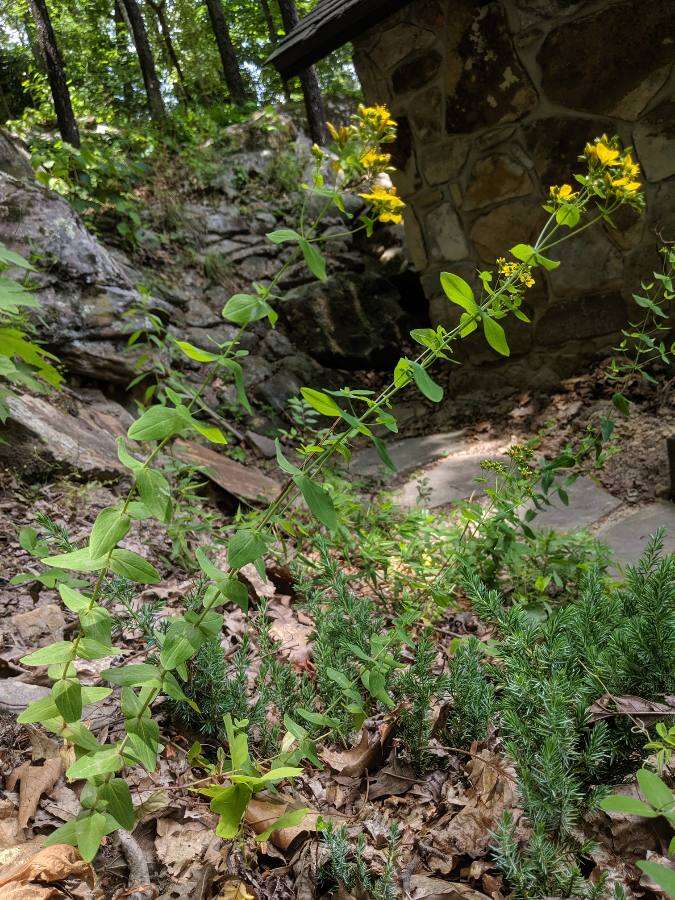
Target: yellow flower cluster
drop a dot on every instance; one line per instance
(621, 172)
(374, 160)
(508, 269)
(563, 193)
(376, 117)
(386, 204)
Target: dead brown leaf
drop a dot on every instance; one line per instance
(493, 790)
(367, 753)
(55, 863)
(261, 813)
(181, 845)
(234, 890)
(608, 706)
(34, 782)
(424, 887)
(292, 634)
(392, 781)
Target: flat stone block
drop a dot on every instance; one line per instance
(588, 503)
(628, 538)
(407, 454)
(445, 482)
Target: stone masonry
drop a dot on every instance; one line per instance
(494, 103)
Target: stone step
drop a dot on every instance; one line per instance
(447, 481)
(588, 503)
(628, 537)
(407, 454)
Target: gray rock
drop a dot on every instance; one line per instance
(80, 437)
(262, 443)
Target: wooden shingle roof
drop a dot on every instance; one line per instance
(330, 24)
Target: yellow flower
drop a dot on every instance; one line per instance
(631, 169)
(508, 269)
(338, 134)
(607, 156)
(527, 279)
(625, 184)
(377, 117)
(386, 204)
(563, 193)
(374, 160)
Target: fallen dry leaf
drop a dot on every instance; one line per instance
(424, 887)
(493, 790)
(261, 587)
(34, 782)
(393, 781)
(608, 706)
(55, 863)
(261, 813)
(180, 845)
(367, 753)
(234, 890)
(292, 634)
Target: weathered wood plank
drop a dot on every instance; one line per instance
(331, 24)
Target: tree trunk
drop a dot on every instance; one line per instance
(274, 40)
(159, 9)
(146, 60)
(122, 28)
(228, 55)
(316, 114)
(55, 72)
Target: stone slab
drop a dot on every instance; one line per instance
(588, 503)
(628, 538)
(245, 482)
(407, 454)
(449, 480)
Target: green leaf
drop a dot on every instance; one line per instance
(494, 335)
(109, 528)
(127, 460)
(89, 648)
(245, 546)
(78, 733)
(427, 337)
(181, 642)
(425, 382)
(383, 453)
(97, 624)
(39, 711)
(283, 463)
(90, 832)
(74, 600)
(662, 875)
(568, 215)
(58, 652)
(318, 718)
(402, 374)
(468, 324)
(280, 773)
(155, 493)
(630, 805)
(76, 560)
(133, 675)
(242, 309)
(622, 403)
(373, 681)
(157, 423)
(230, 803)
(283, 235)
(212, 433)
(93, 764)
(459, 292)
(120, 806)
(654, 790)
(525, 253)
(195, 353)
(10, 258)
(316, 262)
(67, 696)
(289, 819)
(321, 402)
(134, 567)
(238, 374)
(318, 500)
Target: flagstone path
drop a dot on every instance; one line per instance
(442, 469)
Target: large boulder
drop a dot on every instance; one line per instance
(89, 301)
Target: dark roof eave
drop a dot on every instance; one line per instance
(313, 39)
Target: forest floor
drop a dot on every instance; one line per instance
(446, 811)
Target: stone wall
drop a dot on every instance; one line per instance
(494, 102)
